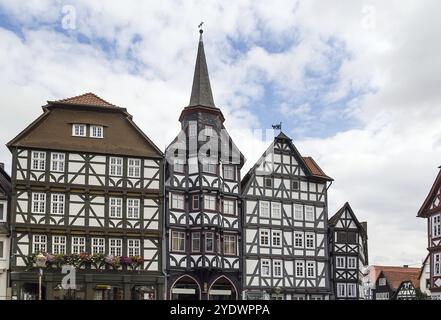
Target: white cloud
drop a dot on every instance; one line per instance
(384, 167)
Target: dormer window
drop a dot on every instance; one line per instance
(79, 130)
(382, 282)
(96, 132)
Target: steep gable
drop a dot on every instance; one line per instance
(433, 199)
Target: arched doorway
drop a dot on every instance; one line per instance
(222, 289)
(185, 288)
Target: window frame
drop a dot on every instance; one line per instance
(437, 264)
(116, 169)
(59, 243)
(195, 199)
(265, 263)
(207, 201)
(193, 238)
(279, 236)
(94, 130)
(307, 218)
(3, 210)
(179, 236)
(117, 206)
(232, 204)
(340, 262)
(98, 245)
(134, 166)
(277, 274)
(341, 293)
(79, 247)
(302, 216)
(310, 265)
(134, 245)
(115, 245)
(39, 158)
(349, 262)
(40, 243)
(261, 215)
(41, 206)
(273, 204)
(436, 225)
(79, 125)
(58, 163)
(301, 239)
(309, 235)
(59, 203)
(300, 266)
(232, 240)
(212, 238)
(176, 199)
(233, 172)
(266, 236)
(133, 205)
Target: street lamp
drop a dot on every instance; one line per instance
(40, 262)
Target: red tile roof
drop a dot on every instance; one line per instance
(396, 275)
(314, 168)
(88, 98)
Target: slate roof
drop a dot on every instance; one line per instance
(201, 94)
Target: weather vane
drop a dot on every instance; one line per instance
(200, 25)
(277, 126)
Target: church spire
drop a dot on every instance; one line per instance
(201, 94)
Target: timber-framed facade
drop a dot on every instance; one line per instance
(87, 192)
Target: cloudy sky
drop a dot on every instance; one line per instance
(355, 83)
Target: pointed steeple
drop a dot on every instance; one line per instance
(201, 94)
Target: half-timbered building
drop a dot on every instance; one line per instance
(5, 199)
(395, 283)
(431, 210)
(285, 222)
(86, 193)
(202, 181)
(348, 254)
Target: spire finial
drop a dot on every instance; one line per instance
(200, 30)
(277, 126)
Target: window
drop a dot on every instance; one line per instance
(276, 211)
(277, 268)
(229, 172)
(57, 162)
(98, 246)
(352, 263)
(79, 130)
(177, 201)
(193, 129)
(352, 237)
(78, 245)
(268, 182)
(436, 226)
(58, 244)
(209, 131)
(178, 166)
(265, 266)
(57, 203)
(97, 132)
(342, 237)
(134, 168)
(437, 264)
(264, 237)
(298, 239)
(382, 295)
(209, 242)
(230, 244)
(310, 269)
(300, 266)
(295, 185)
(341, 289)
(351, 290)
(298, 212)
(38, 160)
(309, 213)
(264, 209)
(196, 242)
(115, 247)
(210, 202)
(209, 167)
(133, 208)
(116, 167)
(115, 207)
(2, 246)
(195, 202)
(39, 243)
(178, 241)
(2, 211)
(340, 262)
(310, 240)
(382, 282)
(134, 247)
(38, 203)
(277, 238)
(228, 206)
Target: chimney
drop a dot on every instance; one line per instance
(2, 165)
(364, 225)
(406, 266)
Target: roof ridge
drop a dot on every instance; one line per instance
(88, 98)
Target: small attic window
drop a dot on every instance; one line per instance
(96, 132)
(79, 130)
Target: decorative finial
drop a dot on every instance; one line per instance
(277, 126)
(200, 27)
